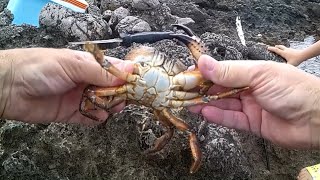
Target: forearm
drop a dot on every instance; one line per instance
(311, 51)
(6, 62)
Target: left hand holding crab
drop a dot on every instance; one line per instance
(40, 85)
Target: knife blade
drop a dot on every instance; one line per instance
(127, 40)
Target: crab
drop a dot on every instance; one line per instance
(158, 83)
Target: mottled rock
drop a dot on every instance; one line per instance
(77, 26)
(118, 14)
(222, 47)
(107, 15)
(6, 17)
(145, 4)
(114, 4)
(3, 4)
(131, 24)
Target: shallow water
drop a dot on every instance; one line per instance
(312, 65)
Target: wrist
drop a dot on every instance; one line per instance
(5, 80)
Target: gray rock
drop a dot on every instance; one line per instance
(79, 26)
(114, 4)
(145, 4)
(6, 17)
(118, 14)
(3, 4)
(185, 21)
(107, 14)
(131, 24)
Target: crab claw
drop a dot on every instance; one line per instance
(194, 43)
(187, 30)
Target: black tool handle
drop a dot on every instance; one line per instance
(146, 37)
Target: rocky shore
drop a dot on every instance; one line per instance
(114, 150)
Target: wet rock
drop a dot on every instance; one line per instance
(222, 47)
(75, 26)
(6, 17)
(114, 4)
(117, 15)
(131, 24)
(145, 4)
(3, 4)
(93, 9)
(107, 15)
(164, 18)
(115, 150)
(184, 21)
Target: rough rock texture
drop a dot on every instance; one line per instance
(131, 24)
(115, 150)
(80, 26)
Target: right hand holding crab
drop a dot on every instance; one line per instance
(282, 104)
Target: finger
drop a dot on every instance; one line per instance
(227, 73)
(282, 47)
(83, 69)
(225, 104)
(118, 108)
(196, 108)
(275, 50)
(228, 118)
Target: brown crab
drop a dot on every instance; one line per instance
(158, 83)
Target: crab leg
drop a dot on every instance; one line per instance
(165, 138)
(204, 99)
(102, 103)
(182, 95)
(104, 98)
(193, 140)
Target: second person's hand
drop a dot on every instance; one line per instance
(282, 104)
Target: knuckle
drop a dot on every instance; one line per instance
(261, 71)
(224, 72)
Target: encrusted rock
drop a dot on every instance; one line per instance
(80, 26)
(6, 17)
(114, 4)
(131, 24)
(118, 14)
(145, 4)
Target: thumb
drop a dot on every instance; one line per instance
(83, 68)
(226, 73)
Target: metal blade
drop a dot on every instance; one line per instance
(107, 41)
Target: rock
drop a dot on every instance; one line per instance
(145, 4)
(79, 26)
(117, 15)
(131, 24)
(107, 15)
(115, 150)
(6, 17)
(3, 4)
(184, 21)
(114, 4)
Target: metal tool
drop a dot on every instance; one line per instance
(127, 40)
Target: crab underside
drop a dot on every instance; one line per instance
(158, 83)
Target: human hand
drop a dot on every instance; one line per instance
(292, 56)
(45, 85)
(282, 104)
